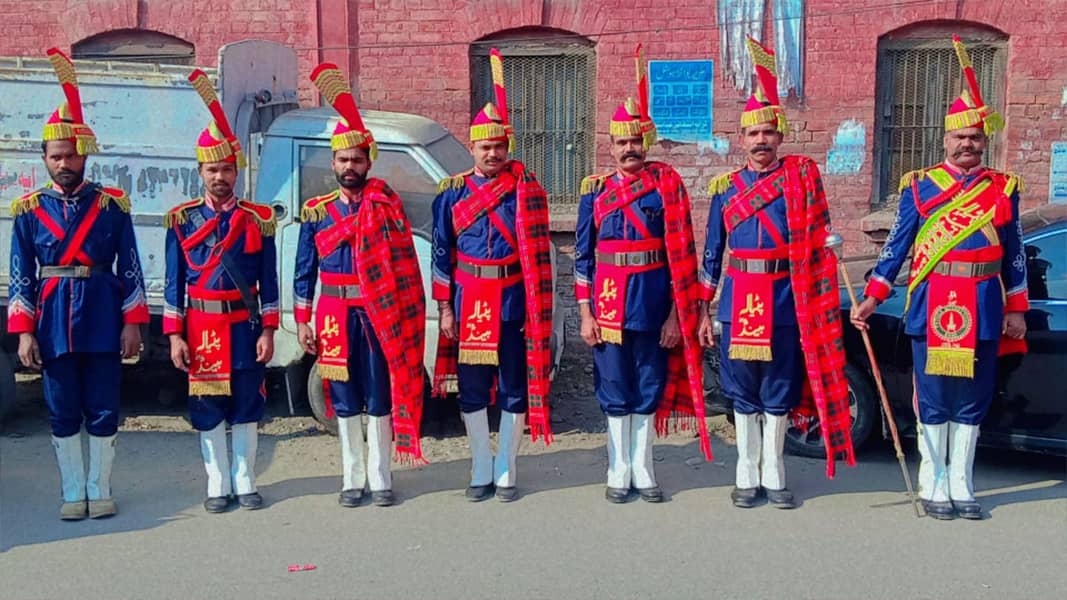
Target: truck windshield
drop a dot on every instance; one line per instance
(416, 187)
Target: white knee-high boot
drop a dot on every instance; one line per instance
(379, 453)
(619, 471)
(512, 426)
(962, 444)
(772, 463)
(749, 442)
(216, 461)
(642, 437)
(477, 424)
(353, 467)
(933, 475)
(245, 444)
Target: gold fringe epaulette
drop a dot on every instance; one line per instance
(454, 182)
(177, 214)
(909, 177)
(264, 216)
(720, 183)
(1015, 184)
(315, 208)
(116, 195)
(25, 204)
(593, 183)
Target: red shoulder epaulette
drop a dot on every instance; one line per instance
(264, 215)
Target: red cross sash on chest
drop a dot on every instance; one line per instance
(611, 279)
(752, 304)
(331, 312)
(210, 342)
(480, 306)
(72, 246)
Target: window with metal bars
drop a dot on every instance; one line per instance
(551, 107)
(917, 81)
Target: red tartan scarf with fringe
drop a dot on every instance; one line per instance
(535, 247)
(813, 275)
(391, 284)
(682, 404)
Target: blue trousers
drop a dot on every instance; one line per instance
(959, 399)
(83, 387)
(630, 378)
(757, 386)
(367, 387)
(245, 404)
(475, 381)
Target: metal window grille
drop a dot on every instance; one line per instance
(551, 106)
(917, 81)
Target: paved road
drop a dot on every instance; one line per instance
(853, 537)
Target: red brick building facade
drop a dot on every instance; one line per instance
(861, 60)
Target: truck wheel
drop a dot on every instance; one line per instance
(863, 411)
(317, 400)
(7, 384)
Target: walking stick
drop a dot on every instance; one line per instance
(835, 241)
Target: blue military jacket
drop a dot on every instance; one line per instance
(90, 227)
(255, 259)
(648, 293)
(750, 234)
(482, 240)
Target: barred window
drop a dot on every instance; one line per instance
(917, 80)
(551, 97)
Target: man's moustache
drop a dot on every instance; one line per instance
(761, 148)
(636, 155)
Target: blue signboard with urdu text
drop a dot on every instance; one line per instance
(680, 98)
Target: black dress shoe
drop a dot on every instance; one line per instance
(507, 494)
(617, 495)
(477, 493)
(942, 511)
(382, 498)
(217, 504)
(782, 498)
(251, 501)
(652, 494)
(968, 509)
(350, 498)
(745, 497)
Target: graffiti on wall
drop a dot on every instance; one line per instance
(849, 149)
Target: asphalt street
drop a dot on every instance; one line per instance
(853, 537)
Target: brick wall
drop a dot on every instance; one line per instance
(840, 57)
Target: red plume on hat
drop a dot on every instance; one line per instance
(68, 122)
(350, 131)
(217, 143)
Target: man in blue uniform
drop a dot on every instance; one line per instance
(370, 317)
(75, 315)
(221, 309)
(967, 294)
(767, 327)
(491, 265)
(634, 272)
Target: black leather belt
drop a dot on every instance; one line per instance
(73, 271)
(491, 271)
(759, 265)
(217, 307)
(342, 291)
(967, 269)
(631, 259)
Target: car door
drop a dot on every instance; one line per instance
(1029, 408)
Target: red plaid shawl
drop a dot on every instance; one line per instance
(394, 301)
(534, 250)
(682, 405)
(813, 275)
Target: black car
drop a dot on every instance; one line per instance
(1029, 410)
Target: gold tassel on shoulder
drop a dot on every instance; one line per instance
(313, 214)
(592, 184)
(122, 201)
(25, 204)
(909, 177)
(453, 183)
(720, 183)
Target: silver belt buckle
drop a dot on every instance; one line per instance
(636, 259)
(756, 266)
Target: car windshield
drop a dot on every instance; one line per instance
(404, 174)
(453, 155)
